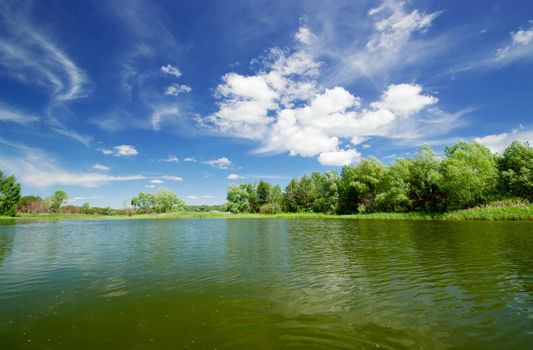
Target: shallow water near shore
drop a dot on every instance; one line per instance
(266, 284)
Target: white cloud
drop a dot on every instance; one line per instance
(304, 36)
(339, 158)
(207, 196)
(171, 178)
(11, 115)
(120, 151)
(156, 181)
(404, 99)
(36, 168)
(32, 58)
(161, 113)
(234, 177)
(285, 108)
(498, 142)
(520, 46)
(192, 197)
(149, 186)
(170, 159)
(189, 159)
(222, 163)
(176, 89)
(101, 167)
(171, 70)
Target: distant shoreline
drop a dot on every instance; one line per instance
(511, 212)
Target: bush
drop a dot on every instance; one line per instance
(270, 208)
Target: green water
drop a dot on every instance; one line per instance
(266, 284)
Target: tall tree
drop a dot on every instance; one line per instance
(58, 198)
(9, 195)
(516, 170)
(426, 191)
(394, 187)
(359, 185)
(469, 175)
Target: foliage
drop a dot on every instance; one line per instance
(394, 187)
(516, 170)
(56, 201)
(9, 195)
(470, 175)
(31, 204)
(163, 200)
(359, 185)
(426, 181)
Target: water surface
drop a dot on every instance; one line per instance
(266, 284)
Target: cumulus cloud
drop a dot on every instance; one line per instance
(285, 108)
(304, 36)
(176, 89)
(221, 163)
(171, 70)
(339, 158)
(234, 177)
(189, 159)
(149, 186)
(120, 151)
(498, 142)
(156, 181)
(192, 197)
(100, 167)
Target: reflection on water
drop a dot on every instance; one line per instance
(266, 284)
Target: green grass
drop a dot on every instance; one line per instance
(490, 212)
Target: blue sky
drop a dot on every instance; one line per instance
(106, 99)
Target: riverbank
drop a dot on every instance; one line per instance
(507, 212)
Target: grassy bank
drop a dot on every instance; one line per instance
(494, 212)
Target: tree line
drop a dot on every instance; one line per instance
(468, 175)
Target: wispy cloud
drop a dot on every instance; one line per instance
(32, 57)
(8, 114)
(498, 142)
(101, 167)
(34, 167)
(221, 163)
(518, 47)
(170, 159)
(120, 151)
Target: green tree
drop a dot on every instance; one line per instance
(85, 208)
(469, 175)
(143, 202)
(238, 199)
(426, 182)
(291, 204)
(9, 195)
(327, 187)
(58, 198)
(264, 193)
(165, 200)
(394, 187)
(516, 170)
(359, 185)
(305, 194)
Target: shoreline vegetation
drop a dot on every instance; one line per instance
(492, 212)
(467, 182)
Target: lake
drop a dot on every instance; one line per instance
(266, 284)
